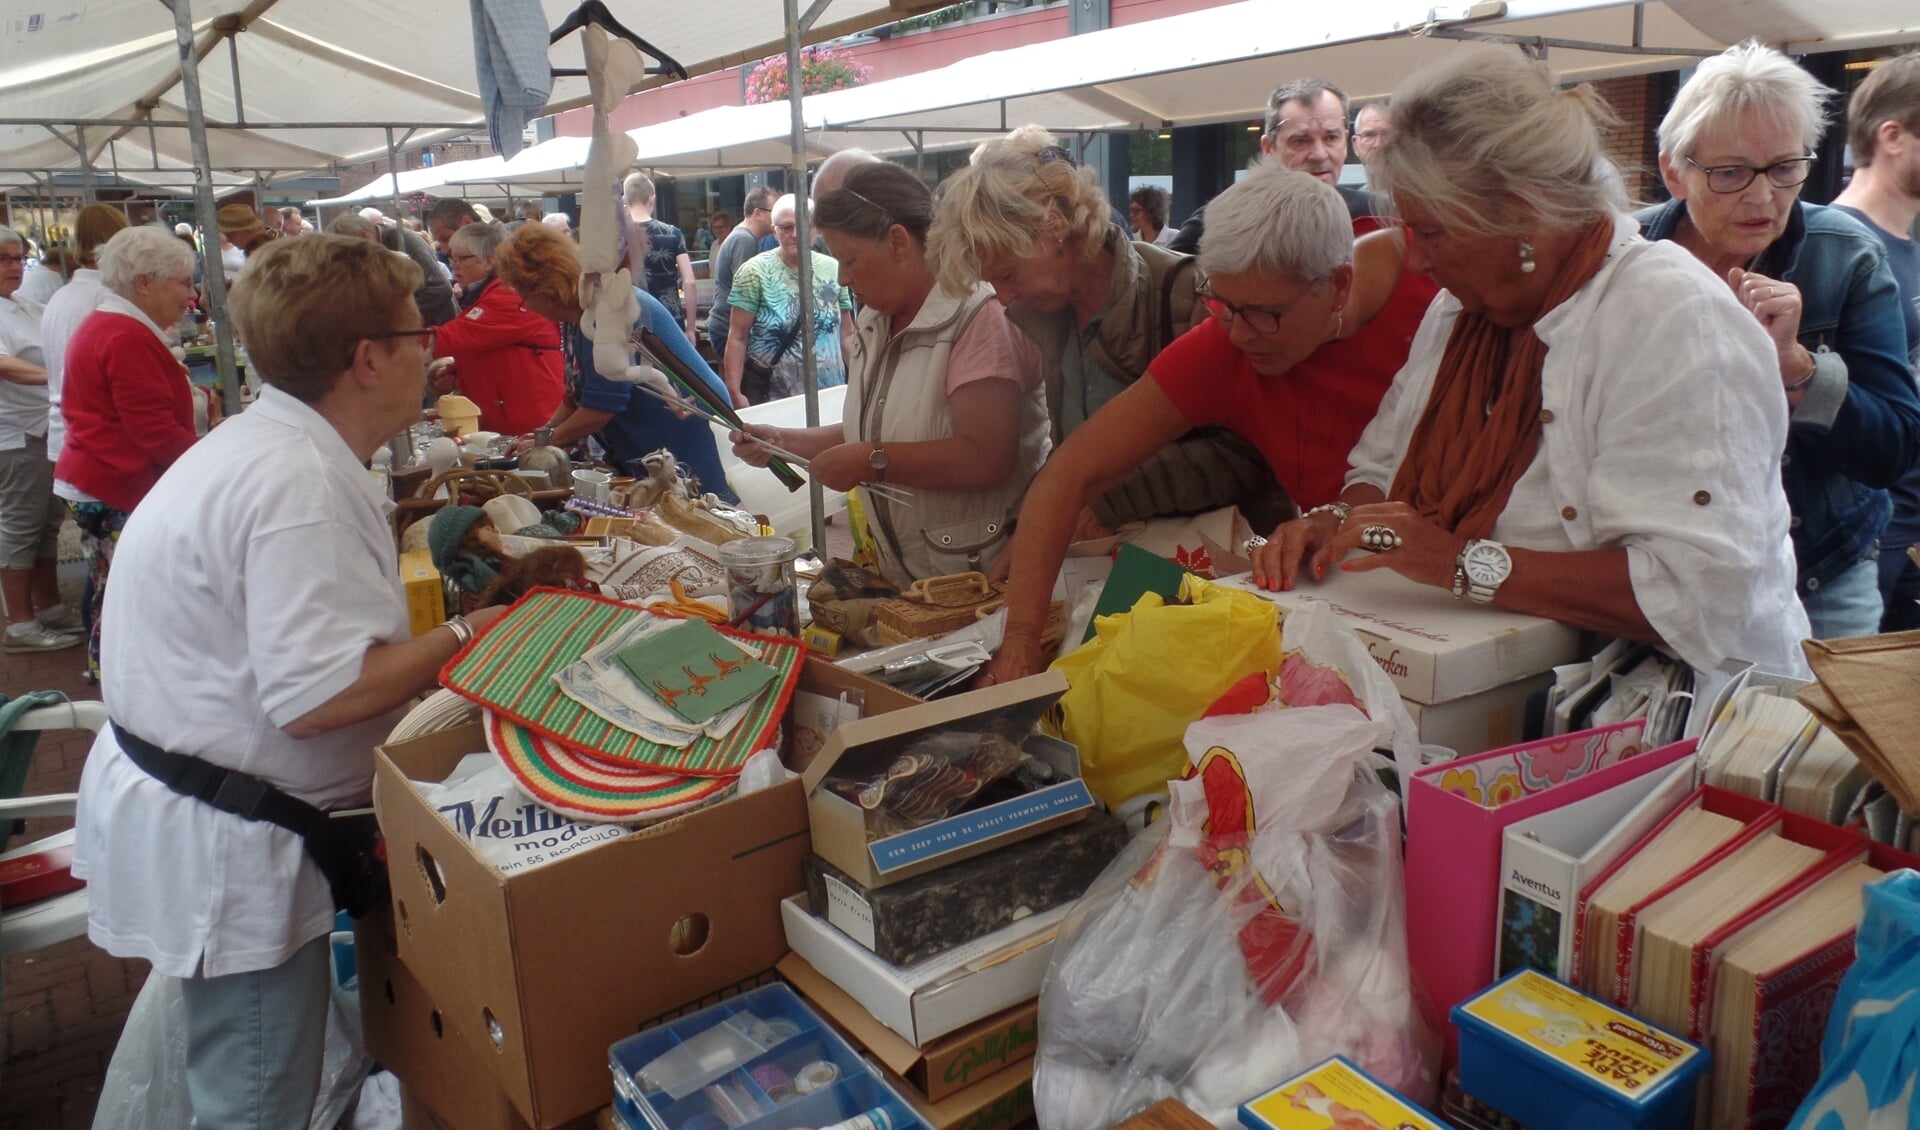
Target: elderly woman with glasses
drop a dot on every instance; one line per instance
(128, 404)
(505, 357)
(1589, 426)
(1734, 151)
(257, 649)
(943, 396)
(1308, 329)
(1101, 307)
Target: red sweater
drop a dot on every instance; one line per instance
(129, 410)
(506, 359)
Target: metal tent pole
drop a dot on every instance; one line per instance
(797, 23)
(209, 217)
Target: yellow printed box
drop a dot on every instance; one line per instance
(1336, 1095)
(426, 605)
(1546, 1054)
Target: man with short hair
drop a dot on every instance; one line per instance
(449, 216)
(30, 515)
(1369, 128)
(741, 244)
(1883, 131)
(292, 222)
(1306, 129)
(668, 266)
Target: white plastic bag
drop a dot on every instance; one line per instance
(1255, 931)
(146, 1083)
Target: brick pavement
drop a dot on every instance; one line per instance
(61, 1008)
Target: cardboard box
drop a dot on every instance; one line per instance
(544, 969)
(1434, 647)
(999, 1102)
(1477, 723)
(445, 1082)
(942, 994)
(839, 825)
(945, 1066)
(426, 596)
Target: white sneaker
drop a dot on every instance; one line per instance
(66, 620)
(38, 637)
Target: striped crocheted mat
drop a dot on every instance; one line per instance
(579, 785)
(509, 669)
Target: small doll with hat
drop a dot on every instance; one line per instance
(466, 548)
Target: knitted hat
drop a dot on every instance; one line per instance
(449, 526)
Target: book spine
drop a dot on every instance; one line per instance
(1790, 1020)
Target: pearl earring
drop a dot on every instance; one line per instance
(1526, 257)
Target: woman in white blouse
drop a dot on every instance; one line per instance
(1588, 427)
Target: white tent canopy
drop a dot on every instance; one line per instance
(340, 69)
(1219, 64)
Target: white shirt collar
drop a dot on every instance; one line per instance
(118, 304)
(284, 408)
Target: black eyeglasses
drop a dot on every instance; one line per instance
(13, 258)
(1259, 319)
(1735, 178)
(423, 335)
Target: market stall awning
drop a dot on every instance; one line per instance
(340, 70)
(1219, 64)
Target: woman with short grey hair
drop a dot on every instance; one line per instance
(1307, 329)
(129, 406)
(1588, 427)
(504, 357)
(1735, 149)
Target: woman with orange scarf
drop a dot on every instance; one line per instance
(1587, 428)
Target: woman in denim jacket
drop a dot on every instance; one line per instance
(1734, 151)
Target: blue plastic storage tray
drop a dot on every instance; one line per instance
(754, 1062)
(1547, 1055)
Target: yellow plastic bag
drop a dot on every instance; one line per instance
(1149, 673)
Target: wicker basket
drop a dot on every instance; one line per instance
(934, 607)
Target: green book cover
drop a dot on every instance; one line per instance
(694, 671)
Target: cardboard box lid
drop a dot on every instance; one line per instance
(1021, 701)
(1434, 647)
(942, 994)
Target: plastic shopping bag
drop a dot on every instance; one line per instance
(1870, 1077)
(1254, 932)
(1150, 672)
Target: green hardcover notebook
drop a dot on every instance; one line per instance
(695, 671)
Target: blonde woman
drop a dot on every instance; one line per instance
(1099, 306)
(1589, 426)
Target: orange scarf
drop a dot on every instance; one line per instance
(1481, 428)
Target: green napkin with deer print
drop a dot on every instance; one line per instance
(694, 671)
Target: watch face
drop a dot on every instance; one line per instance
(1487, 564)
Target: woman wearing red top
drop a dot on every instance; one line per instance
(127, 400)
(506, 358)
(1308, 329)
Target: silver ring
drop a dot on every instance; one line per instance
(1379, 539)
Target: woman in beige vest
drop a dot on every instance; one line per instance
(943, 396)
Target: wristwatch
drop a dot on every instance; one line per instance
(1480, 570)
(878, 461)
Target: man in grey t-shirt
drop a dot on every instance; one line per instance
(741, 244)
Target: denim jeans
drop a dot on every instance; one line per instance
(255, 1043)
(1848, 605)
